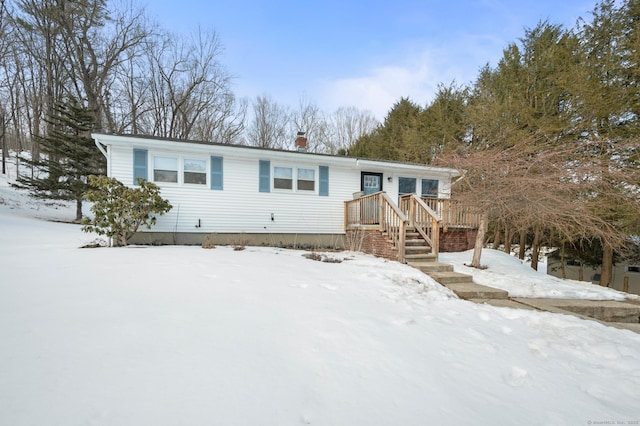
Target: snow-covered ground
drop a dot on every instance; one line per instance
(265, 336)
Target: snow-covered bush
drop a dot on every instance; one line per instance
(119, 210)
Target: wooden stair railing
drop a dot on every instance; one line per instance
(394, 223)
(378, 209)
(423, 219)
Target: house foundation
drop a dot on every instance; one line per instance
(299, 241)
(457, 239)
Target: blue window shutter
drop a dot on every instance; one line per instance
(139, 165)
(324, 181)
(265, 176)
(216, 173)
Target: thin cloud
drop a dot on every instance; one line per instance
(418, 79)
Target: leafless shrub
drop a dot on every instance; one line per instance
(355, 240)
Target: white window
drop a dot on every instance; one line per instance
(195, 171)
(406, 186)
(165, 169)
(633, 268)
(430, 188)
(306, 180)
(282, 178)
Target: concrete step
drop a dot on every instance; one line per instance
(602, 310)
(429, 267)
(424, 257)
(471, 291)
(503, 303)
(451, 277)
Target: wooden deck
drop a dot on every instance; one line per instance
(426, 216)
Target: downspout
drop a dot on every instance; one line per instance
(101, 148)
(106, 155)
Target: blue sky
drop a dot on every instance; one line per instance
(357, 53)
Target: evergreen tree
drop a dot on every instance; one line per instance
(69, 156)
(607, 119)
(398, 138)
(444, 120)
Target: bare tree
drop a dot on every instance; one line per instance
(3, 53)
(37, 65)
(552, 191)
(96, 40)
(308, 118)
(190, 91)
(269, 124)
(349, 124)
(226, 124)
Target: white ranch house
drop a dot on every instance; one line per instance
(246, 195)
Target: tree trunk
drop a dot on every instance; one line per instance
(477, 249)
(606, 272)
(523, 243)
(4, 143)
(78, 209)
(563, 261)
(507, 239)
(496, 237)
(535, 249)
(581, 272)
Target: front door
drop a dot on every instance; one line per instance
(371, 183)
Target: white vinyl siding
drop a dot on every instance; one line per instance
(241, 206)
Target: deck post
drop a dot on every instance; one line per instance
(382, 215)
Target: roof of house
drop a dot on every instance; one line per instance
(124, 138)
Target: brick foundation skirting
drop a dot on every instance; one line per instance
(457, 239)
(370, 241)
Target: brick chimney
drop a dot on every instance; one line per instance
(301, 142)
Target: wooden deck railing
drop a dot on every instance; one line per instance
(453, 213)
(426, 215)
(378, 209)
(423, 219)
